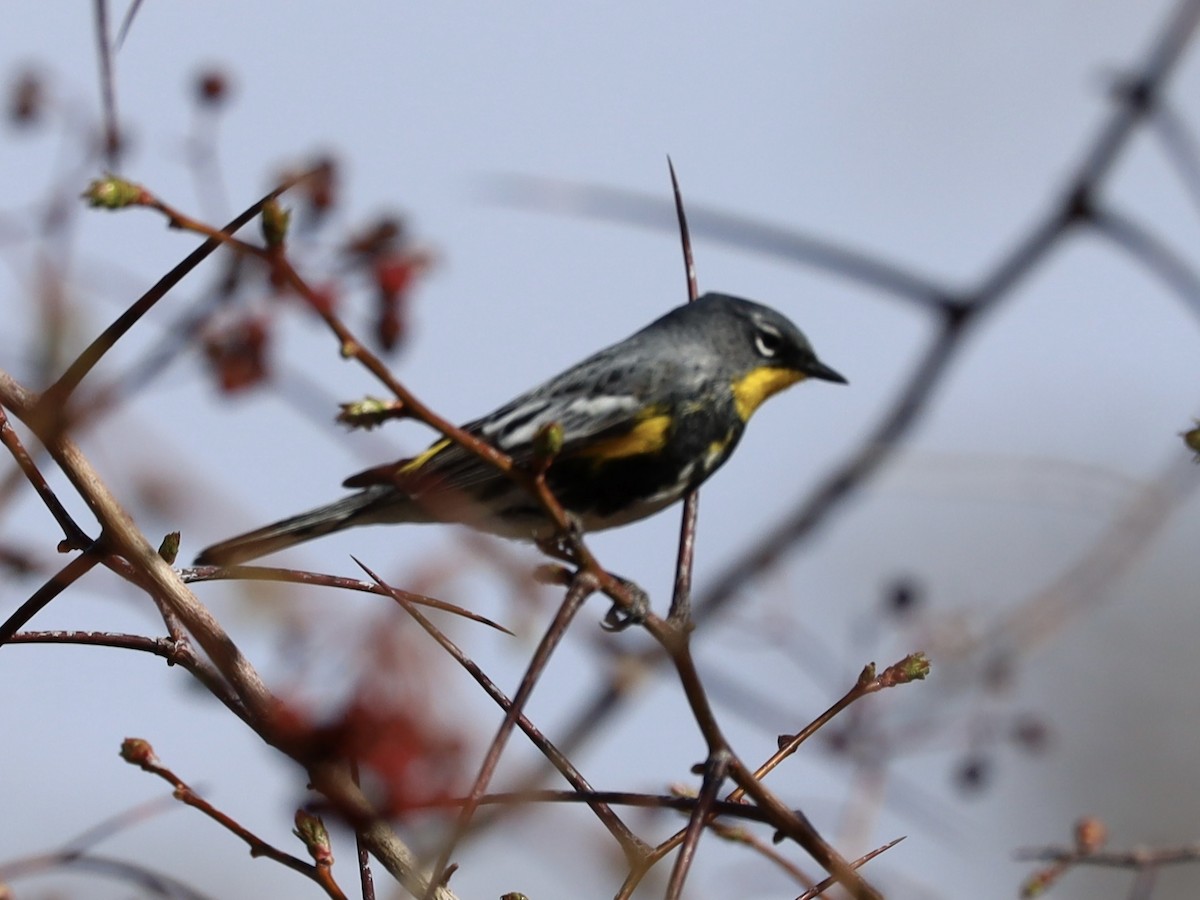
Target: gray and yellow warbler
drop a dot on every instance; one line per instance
(642, 422)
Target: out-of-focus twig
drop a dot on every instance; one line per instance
(108, 93)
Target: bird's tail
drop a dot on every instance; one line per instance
(357, 509)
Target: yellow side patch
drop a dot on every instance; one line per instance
(752, 389)
(647, 436)
(417, 461)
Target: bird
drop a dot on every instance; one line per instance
(641, 423)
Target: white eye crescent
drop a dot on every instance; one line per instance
(768, 341)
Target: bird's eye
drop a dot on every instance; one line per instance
(768, 341)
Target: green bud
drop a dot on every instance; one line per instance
(312, 833)
(275, 221)
(914, 667)
(169, 548)
(1192, 440)
(369, 412)
(112, 192)
(548, 442)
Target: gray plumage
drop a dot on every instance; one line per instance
(642, 421)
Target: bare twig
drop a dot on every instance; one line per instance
(108, 94)
(630, 844)
(295, 576)
(583, 586)
(366, 879)
(140, 753)
(912, 667)
(59, 582)
(681, 596)
(819, 889)
(176, 651)
(73, 536)
(715, 772)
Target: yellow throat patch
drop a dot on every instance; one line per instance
(753, 388)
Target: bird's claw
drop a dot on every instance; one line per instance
(631, 611)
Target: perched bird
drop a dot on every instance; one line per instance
(642, 422)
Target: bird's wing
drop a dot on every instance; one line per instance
(586, 419)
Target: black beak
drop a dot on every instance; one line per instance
(817, 369)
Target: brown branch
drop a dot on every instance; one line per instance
(196, 574)
(716, 770)
(819, 889)
(739, 835)
(122, 537)
(177, 651)
(140, 753)
(59, 582)
(74, 537)
(362, 853)
(1091, 834)
(582, 587)
(913, 667)
(675, 641)
(633, 847)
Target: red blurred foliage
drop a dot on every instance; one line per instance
(385, 251)
(385, 235)
(395, 275)
(408, 760)
(212, 88)
(237, 354)
(26, 99)
(320, 188)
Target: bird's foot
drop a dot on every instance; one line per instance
(632, 610)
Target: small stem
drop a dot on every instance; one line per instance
(73, 536)
(59, 582)
(715, 770)
(580, 590)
